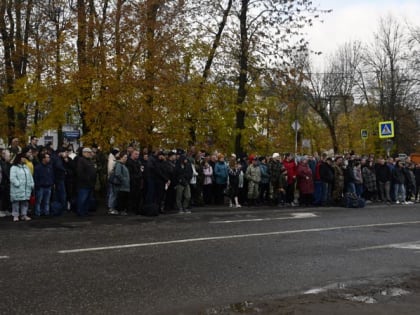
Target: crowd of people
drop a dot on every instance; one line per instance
(39, 181)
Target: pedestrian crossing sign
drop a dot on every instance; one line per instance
(364, 134)
(386, 129)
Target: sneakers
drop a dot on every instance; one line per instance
(2, 214)
(25, 218)
(405, 203)
(397, 202)
(238, 206)
(123, 212)
(230, 205)
(15, 219)
(113, 212)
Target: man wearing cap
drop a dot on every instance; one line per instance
(86, 180)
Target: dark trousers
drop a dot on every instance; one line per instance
(135, 199)
(84, 201)
(290, 193)
(220, 197)
(123, 198)
(207, 194)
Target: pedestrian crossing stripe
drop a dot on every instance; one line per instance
(386, 129)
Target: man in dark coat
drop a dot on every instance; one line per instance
(86, 180)
(44, 181)
(136, 182)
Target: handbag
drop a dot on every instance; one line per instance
(114, 179)
(32, 200)
(227, 191)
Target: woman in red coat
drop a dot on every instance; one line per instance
(290, 165)
(305, 182)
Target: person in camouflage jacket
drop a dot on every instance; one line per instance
(338, 188)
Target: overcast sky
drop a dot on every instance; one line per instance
(356, 20)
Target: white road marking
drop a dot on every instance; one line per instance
(299, 215)
(227, 237)
(408, 245)
(4, 257)
(315, 291)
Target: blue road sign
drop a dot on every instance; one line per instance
(386, 129)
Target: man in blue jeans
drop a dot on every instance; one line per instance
(44, 181)
(86, 179)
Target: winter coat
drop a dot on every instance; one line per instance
(369, 179)
(398, 175)
(275, 167)
(234, 177)
(417, 175)
(410, 179)
(326, 173)
(122, 173)
(338, 177)
(183, 173)
(136, 174)
(155, 170)
(265, 175)
(86, 173)
(305, 181)
(208, 175)
(253, 173)
(383, 173)
(291, 171)
(221, 173)
(357, 172)
(21, 183)
(43, 175)
(58, 168)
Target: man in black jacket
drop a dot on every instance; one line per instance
(136, 182)
(86, 180)
(326, 174)
(183, 175)
(383, 178)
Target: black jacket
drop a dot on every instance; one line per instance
(86, 173)
(183, 173)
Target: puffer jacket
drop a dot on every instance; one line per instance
(253, 174)
(21, 183)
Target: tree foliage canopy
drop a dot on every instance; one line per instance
(230, 75)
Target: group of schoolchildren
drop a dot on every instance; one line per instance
(46, 182)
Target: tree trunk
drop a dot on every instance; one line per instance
(243, 78)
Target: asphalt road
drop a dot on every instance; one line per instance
(201, 262)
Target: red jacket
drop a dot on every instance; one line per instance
(290, 166)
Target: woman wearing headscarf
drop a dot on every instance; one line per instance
(305, 182)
